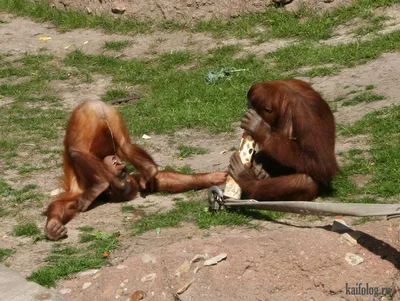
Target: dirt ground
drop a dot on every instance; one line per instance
(184, 10)
(295, 258)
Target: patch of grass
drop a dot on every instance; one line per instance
(26, 229)
(183, 211)
(115, 93)
(65, 260)
(69, 19)
(4, 253)
(306, 54)
(196, 212)
(188, 151)
(319, 71)
(364, 220)
(376, 24)
(85, 229)
(116, 45)
(172, 59)
(17, 196)
(369, 87)
(28, 168)
(366, 97)
(384, 161)
(307, 23)
(191, 103)
(127, 209)
(7, 146)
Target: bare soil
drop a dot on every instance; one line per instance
(186, 10)
(296, 258)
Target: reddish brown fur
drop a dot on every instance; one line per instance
(93, 130)
(296, 137)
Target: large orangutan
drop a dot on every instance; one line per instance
(294, 129)
(95, 140)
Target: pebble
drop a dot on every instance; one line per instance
(199, 257)
(86, 285)
(184, 268)
(353, 259)
(65, 291)
(215, 259)
(87, 273)
(350, 238)
(146, 258)
(149, 277)
(121, 267)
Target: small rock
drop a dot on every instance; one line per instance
(119, 10)
(353, 259)
(149, 277)
(223, 152)
(185, 287)
(339, 226)
(184, 268)
(146, 137)
(118, 293)
(348, 239)
(65, 291)
(86, 285)
(148, 258)
(138, 295)
(199, 257)
(96, 276)
(87, 273)
(123, 283)
(121, 267)
(215, 259)
(88, 10)
(196, 270)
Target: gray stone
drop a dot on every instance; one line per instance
(16, 288)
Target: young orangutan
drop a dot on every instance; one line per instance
(95, 140)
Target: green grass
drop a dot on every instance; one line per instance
(127, 209)
(383, 162)
(190, 103)
(376, 24)
(196, 212)
(26, 229)
(349, 55)
(188, 151)
(12, 196)
(4, 253)
(65, 260)
(365, 97)
(68, 19)
(302, 25)
(172, 59)
(116, 45)
(115, 93)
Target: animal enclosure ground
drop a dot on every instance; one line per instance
(354, 63)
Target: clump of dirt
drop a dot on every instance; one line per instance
(186, 10)
(285, 261)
